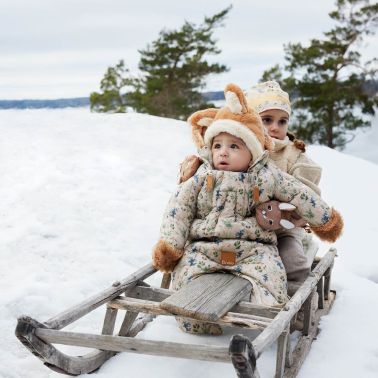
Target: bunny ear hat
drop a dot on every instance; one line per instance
(236, 118)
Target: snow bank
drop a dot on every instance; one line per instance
(82, 197)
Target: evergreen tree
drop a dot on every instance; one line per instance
(174, 68)
(328, 82)
(113, 86)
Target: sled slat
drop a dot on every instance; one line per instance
(157, 295)
(281, 353)
(129, 344)
(304, 344)
(109, 321)
(208, 297)
(281, 321)
(76, 312)
(139, 305)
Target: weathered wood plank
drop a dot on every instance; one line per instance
(257, 310)
(236, 319)
(152, 293)
(52, 357)
(76, 312)
(303, 346)
(208, 297)
(321, 293)
(129, 344)
(158, 295)
(128, 321)
(109, 321)
(289, 354)
(282, 320)
(166, 281)
(327, 282)
(310, 307)
(281, 353)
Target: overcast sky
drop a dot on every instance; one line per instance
(61, 48)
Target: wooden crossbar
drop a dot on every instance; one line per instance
(130, 344)
(230, 318)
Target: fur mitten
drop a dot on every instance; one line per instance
(331, 230)
(165, 257)
(189, 167)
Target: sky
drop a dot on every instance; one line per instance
(62, 48)
(82, 199)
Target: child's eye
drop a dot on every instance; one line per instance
(216, 145)
(234, 146)
(282, 122)
(267, 120)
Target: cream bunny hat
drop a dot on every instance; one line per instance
(268, 95)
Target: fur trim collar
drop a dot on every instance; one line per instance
(279, 144)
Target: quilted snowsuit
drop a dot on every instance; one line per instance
(214, 211)
(294, 161)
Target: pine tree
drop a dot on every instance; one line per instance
(174, 68)
(328, 82)
(173, 72)
(113, 86)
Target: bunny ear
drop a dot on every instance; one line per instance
(200, 121)
(286, 224)
(235, 99)
(286, 206)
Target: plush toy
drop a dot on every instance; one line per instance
(274, 215)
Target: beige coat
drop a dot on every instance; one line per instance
(295, 162)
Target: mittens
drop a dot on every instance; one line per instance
(165, 257)
(189, 167)
(332, 229)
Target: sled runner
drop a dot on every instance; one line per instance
(216, 298)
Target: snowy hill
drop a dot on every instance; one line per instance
(82, 198)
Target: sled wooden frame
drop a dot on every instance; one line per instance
(142, 305)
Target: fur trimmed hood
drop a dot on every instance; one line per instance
(236, 118)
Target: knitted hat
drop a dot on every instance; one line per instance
(236, 118)
(268, 95)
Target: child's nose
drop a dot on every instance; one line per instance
(274, 126)
(224, 151)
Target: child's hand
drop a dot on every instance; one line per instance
(165, 257)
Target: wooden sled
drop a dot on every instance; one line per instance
(215, 298)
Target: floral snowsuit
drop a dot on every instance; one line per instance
(204, 220)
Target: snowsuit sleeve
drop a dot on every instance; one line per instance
(175, 227)
(180, 212)
(325, 221)
(307, 171)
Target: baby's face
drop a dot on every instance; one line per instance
(276, 122)
(230, 153)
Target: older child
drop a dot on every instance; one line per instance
(213, 212)
(273, 106)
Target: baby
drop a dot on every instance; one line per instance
(209, 224)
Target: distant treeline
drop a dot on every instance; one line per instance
(39, 104)
(74, 102)
(370, 87)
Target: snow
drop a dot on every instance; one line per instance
(82, 198)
